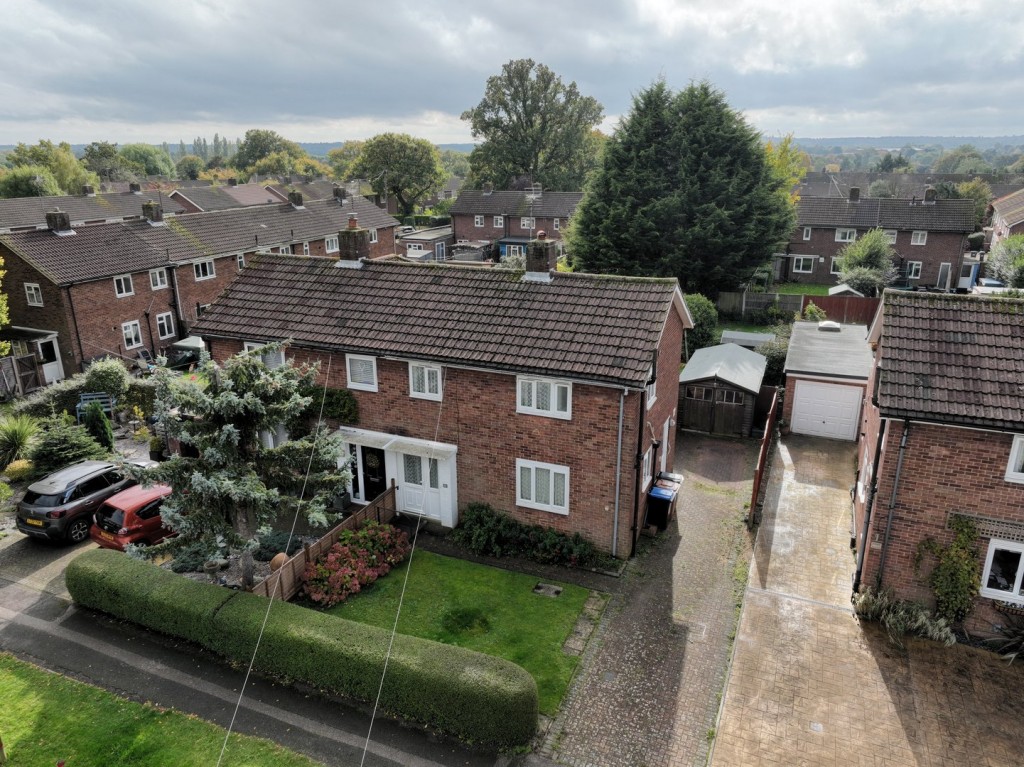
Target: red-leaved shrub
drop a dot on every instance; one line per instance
(358, 559)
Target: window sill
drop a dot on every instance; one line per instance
(1008, 608)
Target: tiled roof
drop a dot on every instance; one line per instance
(547, 205)
(226, 197)
(24, 212)
(590, 327)
(942, 216)
(319, 189)
(1010, 208)
(954, 359)
(135, 245)
(818, 184)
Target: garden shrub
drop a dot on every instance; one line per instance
(19, 471)
(17, 431)
(705, 322)
(191, 557)
(900, 617)
(814, 313)
(274, 543)
(141, 394)
(956, 577)
(477, 698)
(97, 424)
(485, 531)
(107, 375)
(61, 397)
(357, 559)
(61, 443)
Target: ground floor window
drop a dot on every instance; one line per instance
(542, 486)
(1003, 576)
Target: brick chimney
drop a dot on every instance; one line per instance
(541, 255)
(854, 194)
(135, 187)
(232, 182)
(59, 222)
(488, 189)
(153, 212)
(89, 190)
(930, 195)
(353, 243)
(339, 193)
(295, 198)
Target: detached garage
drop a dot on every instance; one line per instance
(718, 390)
(827, 370)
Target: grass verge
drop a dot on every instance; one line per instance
(46, 718)
(481, 608)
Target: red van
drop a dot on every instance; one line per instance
(131, 516)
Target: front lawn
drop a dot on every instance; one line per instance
(481, 608)
(46, 718)
(799, 289)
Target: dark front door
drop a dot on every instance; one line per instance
(374, 480)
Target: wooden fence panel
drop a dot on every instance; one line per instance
(762, 461)
(845, 309)
(285, 582)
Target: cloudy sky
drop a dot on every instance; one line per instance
(333, 70)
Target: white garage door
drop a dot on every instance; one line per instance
(826, 410)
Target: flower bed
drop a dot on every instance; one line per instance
(358, 559)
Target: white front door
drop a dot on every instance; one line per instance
(943, 281)
(420, 486)
(49, 355)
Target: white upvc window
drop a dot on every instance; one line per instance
(33, 294)
(645, 468)
(543, 486)
(556, 224)
(919, 237)
(165, 325)
(362, 372)
(527, 222)
(373, 235)
(515, 250)
(123, 286)
(424, 381)
(803, 264)
(305, 248)
(158, 279)
(913, 270)
(331, 244)
(1003, 576)
(890, 236)
(544, 396)
(272, 359)
(807, 233)
(846, 235)
(132, 333)
(652, 387)
(204, 270)
(240, 260)
(836, 266)
(285, 250)
(1015, 466)
(498, 221)
(478, 220)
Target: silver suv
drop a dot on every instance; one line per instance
(60, 506)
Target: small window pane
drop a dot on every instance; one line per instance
(434, 483)
(563, 399)
(525, 483)
(543, 486)
(559, 499)
(433, 381)
(418, 379)
(413, 465)
(543, 395)
(526, 393)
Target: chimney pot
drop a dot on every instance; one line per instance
(58, 221)
(930, 195)
(135, 187)
(295, 198)
(89, 190)
(353, 221)
(339, 193)
(152, 212)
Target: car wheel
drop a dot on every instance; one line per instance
(78, 530)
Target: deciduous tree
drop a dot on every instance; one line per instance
(258, 144)
(343, 158)
(153, 160)
(533, 125)
(400, 165)
(29, 181)
(868, 264)
(68, 171)
(190, 166)
(103, 159)
(1007, 260)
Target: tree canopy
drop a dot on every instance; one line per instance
(868, 264)
(535, 126)
(104, 159)
(343, 159)
(1007, 260)
(789, 164)
(400, 165)
(238, 485)
(259, 144)
(69, 174)
(153, 160)
(684, 190)
(29, 181)
(190, 166)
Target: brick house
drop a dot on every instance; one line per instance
(27, 213)
(509, 220)
(1008, 216)
(943, 435)
(546, 395)
(928, 235)
(76, 294)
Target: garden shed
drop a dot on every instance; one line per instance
(718, 390)
(827, 369)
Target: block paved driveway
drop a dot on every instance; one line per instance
(809, 685)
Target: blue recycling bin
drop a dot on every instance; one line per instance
(661, 499)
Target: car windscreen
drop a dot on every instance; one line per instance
(111, 514)
(39, 499)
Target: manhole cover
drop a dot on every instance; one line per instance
(547, 590)
(609, 676)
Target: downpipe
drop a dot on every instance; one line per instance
(892, 503)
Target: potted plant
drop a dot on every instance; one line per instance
(156, 448)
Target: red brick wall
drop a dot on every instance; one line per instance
(465, 229)
(945, 470)
(52, 315)
(193, 293)
(479, 415)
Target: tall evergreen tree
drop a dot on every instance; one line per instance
(684, 190)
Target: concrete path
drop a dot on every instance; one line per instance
(649, 690)
(810, 686)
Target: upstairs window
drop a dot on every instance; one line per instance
(652, 386)
(499, 221)
(373, 235)
(240, 260)
(123, 286)
(527, 222)
(846, 235)
(556, 224)
(33, 294)
(424, 381)
(890, 236)
(1015, 466)
(807, 233)
(331, 244)
(305, 248)
(362, 372)
(478, 220)
(542, 396)
(204, 270)
(158, 279)
(919, 238)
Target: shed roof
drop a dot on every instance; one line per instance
(831, 354)
(733, 364)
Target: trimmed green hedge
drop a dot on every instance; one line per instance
(469, 695)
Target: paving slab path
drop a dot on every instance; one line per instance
(810, 685)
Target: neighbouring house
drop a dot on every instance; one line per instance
(510, 220)
(204, 199)
(27, 213)
(434, 244)
(449, 191)
(80, 293)
(943, 436)
(902, 185)
(1007, 216)
(549, 396)
(718, 390)
(827, 368)
(929, 236)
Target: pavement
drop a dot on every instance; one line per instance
(810, 685)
